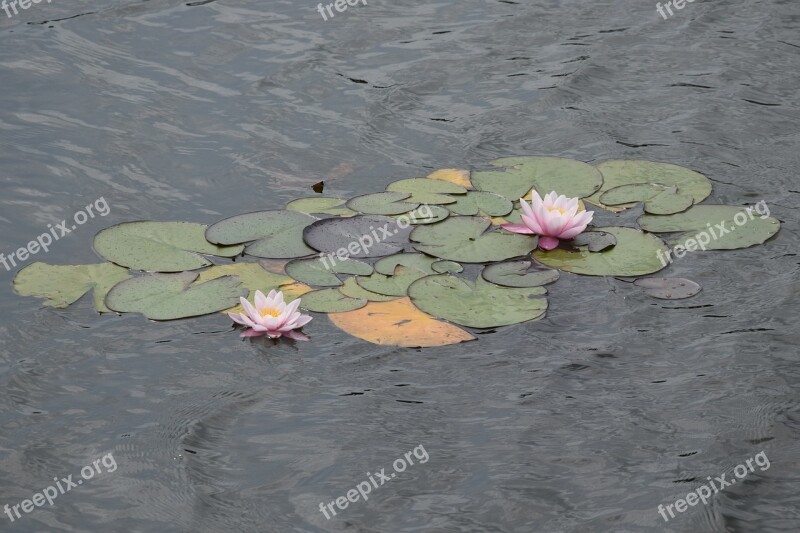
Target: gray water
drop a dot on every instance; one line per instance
(585, 421)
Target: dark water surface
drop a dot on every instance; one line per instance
(585, 421)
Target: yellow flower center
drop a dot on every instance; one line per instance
(271, 312)
(560, 211)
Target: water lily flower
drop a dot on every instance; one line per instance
(552, 218)
(271, 316)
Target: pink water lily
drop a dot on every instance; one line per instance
(271, 316)
(552, 218)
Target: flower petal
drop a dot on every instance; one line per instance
(296, 335)
(517, 228)
(260, 300)
(547, 243)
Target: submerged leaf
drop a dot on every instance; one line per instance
(668, 288)
(398, 323)
(159, 246)
(477, 304)
(171, 296)
(275, 234)
(62, 285)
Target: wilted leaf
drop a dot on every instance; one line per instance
(398, 323)
(457, 176)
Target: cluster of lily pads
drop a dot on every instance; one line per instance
(450, 266)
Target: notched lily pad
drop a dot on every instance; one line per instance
(424, 214)
(668, 288)
(481, 203)
(357, 237)
(594, 241)
(445, 267)
(352, 289)
(428, 191)
(330, 301)
(543, 173)
(394, 285)
(383, 203)
(275, 234)
(321, 271)
(321, 205)
(159, 246)
(657, 199)
(519, 274)
(172, 296)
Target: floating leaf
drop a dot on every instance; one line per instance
(398, 323)
(275, 234)
(383, 203)
(321, 271)
(425, 191)
(252, 275)
(456, 176)
(635, 254)
(291, 291)
(657, 199)
(478, 304)
(424, 214)
(171, 296)
(159, 246)
(484, 203)
(565, 176)
(62, 285)
(359, 236)
(394, 285)
(668, 288)
(444, 267)
(417, 261)
(618, 172)
(467, 240)
(352, 289)
(717, 227)
(322, 205)
(519, 274)
(330, 301)
(594, 241)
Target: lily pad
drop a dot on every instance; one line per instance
(352, 289)
(519, 274)
(469, 240)
(668, 288)
(360, 236)
(172, 296)
(543, 173)
(321, 271)
(417, 261)
(398, 323)
(457, 176)
(424, 214)
(594, 241)
(635, 254)
(62, 285)
(477, 304)
(383, 203)
(330, 301)
(657, 199)
(254, 277)
(394, 285)
(322, 205)
(444, 267)
(714, 227)
(427, 191)
(159, 246)
(483, 203)
(618, 172)
(275, 234)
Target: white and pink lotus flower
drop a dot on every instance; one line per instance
(271, 316)
(553, 218)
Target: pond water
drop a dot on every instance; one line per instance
(585, 421)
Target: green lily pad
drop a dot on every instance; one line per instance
(62, 285)
(545, 174)
(383, 203)
(424, 214)
(352, 289)
(427, 191)
(657, 199)
(717, 227)
(321, 271)
(445, 267)
(159, 246)
(635, 254)
(468, 240)
(519, 274)
(478, 304)
(330, 301)
(483, 203)
(618, 172)
(322, 205)
(359, 236)
(253, 276)
(276, 234)
(172, 296)
(394, 285)
(417, 261)
(594, 241)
